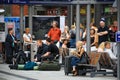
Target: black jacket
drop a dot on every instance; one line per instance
(9, 40)
(42, 49)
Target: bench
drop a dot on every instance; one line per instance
(105, 62)
(92, 66)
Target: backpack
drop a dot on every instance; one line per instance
(20, 58)
(29, 65)
(73, 36)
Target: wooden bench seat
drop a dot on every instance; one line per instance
(94, 60)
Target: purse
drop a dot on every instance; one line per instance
(84, 59)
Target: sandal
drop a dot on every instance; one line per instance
(75, 73)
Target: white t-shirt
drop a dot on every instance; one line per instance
(27, 36)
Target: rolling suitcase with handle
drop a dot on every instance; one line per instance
(67, 66)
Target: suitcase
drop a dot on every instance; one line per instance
(1, 59)
(50, 66)
(67, 66)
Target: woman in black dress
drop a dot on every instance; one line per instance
(93, 38)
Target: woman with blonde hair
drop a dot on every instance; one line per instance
(101, 47)
(27, 38)
(76, 58)
(65, 34)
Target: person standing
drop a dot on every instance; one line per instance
(72, 36)
(102, 32)
(27, 38)
(54, 32)
(10, 43)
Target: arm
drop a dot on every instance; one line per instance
(79, 53)
(49, 34)
(25, 39)
(46, 54)
(104, 32)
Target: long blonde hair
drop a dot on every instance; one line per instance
(102, 45)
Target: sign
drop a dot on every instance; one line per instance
(16, 20)
(1, 18)
(2, 32)
(9, 25)
(118, 36)
(31, 1)
(105, 0)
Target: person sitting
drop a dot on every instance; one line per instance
(76, 56)
(64, 45)
(42, 48)
(101, 47)
(109, 51)
(64, 51)
(52, 52)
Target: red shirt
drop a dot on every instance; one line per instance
(54, 34)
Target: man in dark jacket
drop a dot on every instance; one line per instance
(52, 52)
(42, 48)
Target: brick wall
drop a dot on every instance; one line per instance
(16, 10)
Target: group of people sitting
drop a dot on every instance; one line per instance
(80, 51)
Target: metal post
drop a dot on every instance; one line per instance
(71, 20)
(69, 16)
(77, 22)
(118, 47)
(21, 21)
(30, 18)
(88, 47)
(97, 12)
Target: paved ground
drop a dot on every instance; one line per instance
(7, 74)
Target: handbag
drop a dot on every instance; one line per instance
(84, 59)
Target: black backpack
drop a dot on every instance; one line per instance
(73, 36)
(20, 58)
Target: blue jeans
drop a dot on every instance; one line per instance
(74, 60)
(72, 43)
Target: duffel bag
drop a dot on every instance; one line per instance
(49, 66)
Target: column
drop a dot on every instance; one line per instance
(77, 22)
(118, 44)
(30, 18)
(88, 47)
(21, 21)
